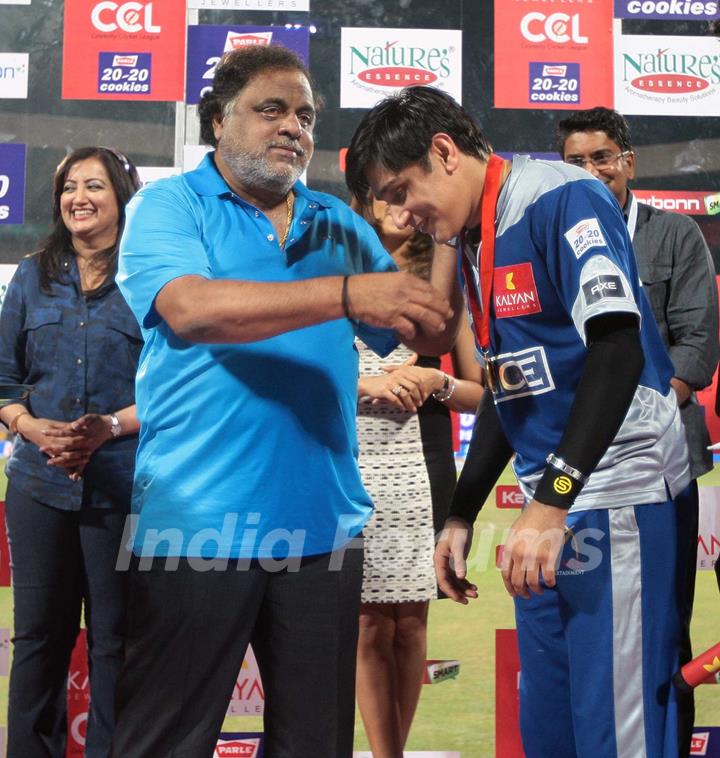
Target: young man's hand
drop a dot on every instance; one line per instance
(532, 549)
(451, 553)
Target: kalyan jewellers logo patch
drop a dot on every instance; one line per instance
(669, 72)
(396, 65)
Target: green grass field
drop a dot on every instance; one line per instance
(460, 714)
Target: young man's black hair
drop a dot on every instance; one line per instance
(398, 132)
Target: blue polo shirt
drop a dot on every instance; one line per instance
(246, 450)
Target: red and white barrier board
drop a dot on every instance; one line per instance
(709, 528)
(78, 698)
(507, 695)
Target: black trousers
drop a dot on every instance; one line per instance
(61, 559)
(686, 505)
(188, 632)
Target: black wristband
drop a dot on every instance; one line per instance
(558, 487)
(344, 299)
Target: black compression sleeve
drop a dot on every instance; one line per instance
(612, 369)
(487, 456)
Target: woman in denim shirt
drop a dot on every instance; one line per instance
(66, 330)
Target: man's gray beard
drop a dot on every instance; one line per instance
(254, 171)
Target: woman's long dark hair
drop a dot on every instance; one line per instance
(125, 182)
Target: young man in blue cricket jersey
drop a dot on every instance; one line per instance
(578, 396)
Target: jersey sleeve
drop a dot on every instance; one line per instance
(589, 254)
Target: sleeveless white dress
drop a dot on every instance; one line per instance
(399, 538)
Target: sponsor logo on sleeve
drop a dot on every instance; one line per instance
(554, 82)
(603, 286)
(514, 291)
(523, 373)
(584, 236)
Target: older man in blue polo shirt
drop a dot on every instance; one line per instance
(250, 289)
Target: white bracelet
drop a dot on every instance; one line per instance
(560, 465)
(446, 391)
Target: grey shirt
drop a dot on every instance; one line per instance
(678, 277)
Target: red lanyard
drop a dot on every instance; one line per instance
(488, 200)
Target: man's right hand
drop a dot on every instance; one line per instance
(451, 552)
(398, 301)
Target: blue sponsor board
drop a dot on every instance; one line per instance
(12, 184)
(555, 83)
(125, 73)
(206, 45)
(687, 10)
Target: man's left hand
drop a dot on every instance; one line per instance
(682, 390)
(532, 549)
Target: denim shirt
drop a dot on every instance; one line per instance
(81, 354)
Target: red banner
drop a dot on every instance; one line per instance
(78, 698)
(689, 202)
(507, 697)
(124, 50)
(553, 55)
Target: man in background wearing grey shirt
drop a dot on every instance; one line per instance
(678, 277)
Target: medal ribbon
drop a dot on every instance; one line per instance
(488, 206)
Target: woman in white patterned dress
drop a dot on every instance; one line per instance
(406, 459)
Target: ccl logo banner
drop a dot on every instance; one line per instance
(553, 54)
(206, 44)
(123, 50)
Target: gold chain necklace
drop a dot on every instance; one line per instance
(290, 202)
